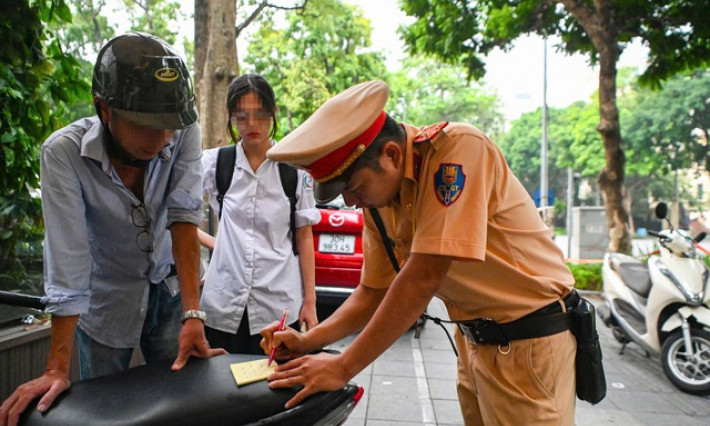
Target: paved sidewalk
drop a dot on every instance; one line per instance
(413, 383)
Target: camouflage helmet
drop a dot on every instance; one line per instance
(144, 80)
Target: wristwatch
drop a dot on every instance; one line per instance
(194, 313)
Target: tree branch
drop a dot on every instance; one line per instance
(263, 5)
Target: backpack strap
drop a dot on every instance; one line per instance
(289, 178)
(226, 157)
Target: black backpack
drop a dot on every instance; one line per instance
(227, 156)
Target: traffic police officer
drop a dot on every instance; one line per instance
(465, 230)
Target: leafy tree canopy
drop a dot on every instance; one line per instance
(90, 29)
(37, 81)
(676, 31)
(668, 129)
(426, 91)
(320, 52)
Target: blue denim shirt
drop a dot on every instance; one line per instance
(93, 266)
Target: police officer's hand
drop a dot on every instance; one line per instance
(49, 385)
(193, 342)
(316, 373)
(289, 343)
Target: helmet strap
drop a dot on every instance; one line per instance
(116, 150)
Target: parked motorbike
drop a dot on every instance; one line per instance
(203, 392)
(662, 305)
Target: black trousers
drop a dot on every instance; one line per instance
(240, 343)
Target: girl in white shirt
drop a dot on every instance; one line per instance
(253, 274)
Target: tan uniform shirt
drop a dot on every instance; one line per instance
(460, 199)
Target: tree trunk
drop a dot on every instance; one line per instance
(215, 66)
(628, 205)
(598, 20)
(611, 178)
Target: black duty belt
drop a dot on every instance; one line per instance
(546, 321)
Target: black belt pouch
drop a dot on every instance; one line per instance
(591, 383)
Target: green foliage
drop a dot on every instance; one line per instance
(677, 32)
(572, 142)
(587, 276)
(82, 37)
(157, 17)
(425, 91)
(478, 29)
(89, 30)
(667, 129)
(706, 259)
(664, 130)
(320, 52)
(327, 49)
(37, 81)
(521, 147)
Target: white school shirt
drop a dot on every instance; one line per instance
(253, 264)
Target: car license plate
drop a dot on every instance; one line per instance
(336, 243)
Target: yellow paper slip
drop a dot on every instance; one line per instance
(251, 371)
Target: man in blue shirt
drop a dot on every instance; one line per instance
(122, 197)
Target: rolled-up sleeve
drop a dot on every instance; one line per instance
(306, 211)
(67, 259)
(185, 199)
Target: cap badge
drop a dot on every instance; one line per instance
(428, 133)
(448, 183)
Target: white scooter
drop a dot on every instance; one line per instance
(662, 305)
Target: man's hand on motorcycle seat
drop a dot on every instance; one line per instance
(49, 385)
(193, 342)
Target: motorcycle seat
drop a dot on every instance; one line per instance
(633, 272)
(204, 392)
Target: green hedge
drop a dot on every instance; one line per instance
(587, 276)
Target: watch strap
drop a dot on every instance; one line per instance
(194, 313)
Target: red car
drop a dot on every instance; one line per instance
(338, 251)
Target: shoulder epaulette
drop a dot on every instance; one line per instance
(428, 133)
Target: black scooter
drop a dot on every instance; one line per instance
(203, 392)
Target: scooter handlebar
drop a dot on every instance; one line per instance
(653, 233)
(19, 299)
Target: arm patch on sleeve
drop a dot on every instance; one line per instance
(449, 180)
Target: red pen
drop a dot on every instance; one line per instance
(282, 325)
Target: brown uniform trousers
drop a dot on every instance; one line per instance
(517, 387)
